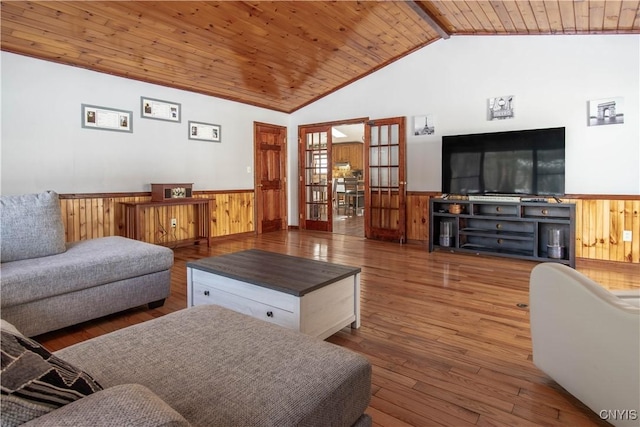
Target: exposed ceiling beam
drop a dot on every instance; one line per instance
(428, 17)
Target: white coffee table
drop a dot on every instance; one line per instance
(314, 297)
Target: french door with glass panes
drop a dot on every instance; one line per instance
(385, 163)
(315, 178)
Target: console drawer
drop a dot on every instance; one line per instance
(497, 244)
(547, 211)
(491, 225)
(203, 294)
(497, 209)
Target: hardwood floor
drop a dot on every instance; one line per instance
(349, 225)
(448, 343)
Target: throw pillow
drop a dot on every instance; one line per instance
(34, 381)
(8, 327)
(31, 226)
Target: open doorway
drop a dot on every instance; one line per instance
(380, 188)
(348, 165)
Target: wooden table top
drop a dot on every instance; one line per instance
(284, 273)
(169, 202)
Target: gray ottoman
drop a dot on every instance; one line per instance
(216, 367)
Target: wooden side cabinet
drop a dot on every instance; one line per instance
(134, 218)
(526, 230)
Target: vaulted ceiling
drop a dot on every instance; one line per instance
(280, 55)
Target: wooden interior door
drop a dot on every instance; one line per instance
(270, 176)
(385, 164)
(314, 154)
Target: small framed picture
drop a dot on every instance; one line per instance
(606, 111)
(424, 125)
(500, 108)
(205, 131)
(160, 110)
(104, 118)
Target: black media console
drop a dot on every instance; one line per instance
(527, 230)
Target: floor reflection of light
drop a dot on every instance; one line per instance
(320, 250)
(445, 271)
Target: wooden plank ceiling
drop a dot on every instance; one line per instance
(279, 55)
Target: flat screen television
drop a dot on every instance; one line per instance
(525, 162)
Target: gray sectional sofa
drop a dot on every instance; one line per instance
(201, 366)
(47, 284)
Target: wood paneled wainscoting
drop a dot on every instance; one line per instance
(87, 216)
(600, 222)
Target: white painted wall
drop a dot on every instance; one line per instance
(44, 146)
(552, 78)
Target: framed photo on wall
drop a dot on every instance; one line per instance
(424, 125)
(501, 108)
(606, 111)
(160, 110)
(104, 118)
(205, 131)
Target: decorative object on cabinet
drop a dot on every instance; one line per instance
(455, 208)
(160, 110)
(103, 118)
(205, 131)
(446, 233)
(528, 230)
(555, 247)
(163, 192)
